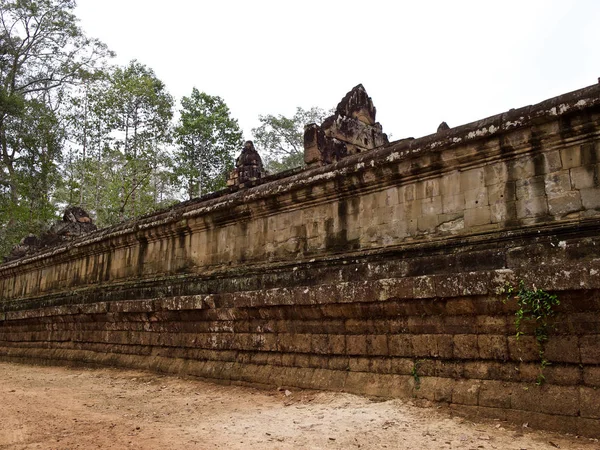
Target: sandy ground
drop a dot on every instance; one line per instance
(80, 408)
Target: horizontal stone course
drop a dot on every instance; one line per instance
(381, 274)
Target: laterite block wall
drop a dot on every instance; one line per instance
(375, 275)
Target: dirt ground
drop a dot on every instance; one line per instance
(82, 408)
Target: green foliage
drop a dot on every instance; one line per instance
(75, 132)
(415, 374)
(138, 110)
(537, 307)
(207, 140)
(43, 54)
(282, 138)
(117, 162)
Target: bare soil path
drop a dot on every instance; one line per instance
(81, 408)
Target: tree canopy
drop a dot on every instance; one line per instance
(207, 140)
(282, 138)
(43, 54)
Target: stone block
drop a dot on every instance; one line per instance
(590, 198)
(530, 187)
(495, 394)
(477, 216)
(549, 399)
(395, 288)
(532, 207)
(319, 343)
(425, 324)
(424, 287)
(495, 174)
(570, 157)
(501, 212)
(551, 161)
(476, 198)
(356, 345)
(428, 188)
(354, 132)
(567, 203)
(337, 344)
(377, 345)
(431, 205)
(587, 427)
(402, 366)
(591, 376)
(359, 364)
(563, 349)
(492, 347)
(472, 179)
(458, 325)
(561, 424)
(521, 168)
(453, 203)
(443, 390)
(380, 365)
(423, 345)
(584, 177)
(407, 193)
(444, 346)
(314, 140)
(590, 153)
(590, 349)
(461, 305)
(563, 375)
(427, 223)
(525, 348)
(450, 184)
(487, 324)
(502, 192)
(465, 346)
(391, 196)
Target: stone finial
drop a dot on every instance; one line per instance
(248, 167)
(352, 129)
(358, 105)
(443, 127)
(76, 214)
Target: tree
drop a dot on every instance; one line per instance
(139, 110)
(119, 129)
(43, 53)
(282, 138)
(36, 137)
(207, 140)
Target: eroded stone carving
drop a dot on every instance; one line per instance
(249, 167)
(351, 129)
(443, 127)
(76, 222)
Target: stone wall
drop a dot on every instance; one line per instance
(377, 274)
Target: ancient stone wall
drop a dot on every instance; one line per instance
(377, 274)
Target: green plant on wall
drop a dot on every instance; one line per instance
(415, 374)
(537, 307)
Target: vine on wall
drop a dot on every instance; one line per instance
(537, 307)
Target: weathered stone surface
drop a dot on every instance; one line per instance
(379, 275)
(249, 167)
(76, 222)
(443, 127)
(352, 129)
(358, 105)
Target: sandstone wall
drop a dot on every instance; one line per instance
(377, 274)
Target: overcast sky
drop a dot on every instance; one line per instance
(422, 62)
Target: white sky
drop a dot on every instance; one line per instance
(422, 62)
